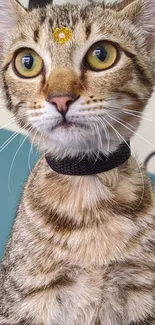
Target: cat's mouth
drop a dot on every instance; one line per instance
(66, 125)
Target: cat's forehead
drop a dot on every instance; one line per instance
(89, 20)
(63, 13)
(85, 25)
(69, 15)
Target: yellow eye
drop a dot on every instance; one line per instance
(101, 56)
(28, 64)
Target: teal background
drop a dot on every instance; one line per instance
(9, 198)
(152, 177)
(10, 193)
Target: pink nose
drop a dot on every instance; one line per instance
(62, 103)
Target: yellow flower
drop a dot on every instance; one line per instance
(62, 35)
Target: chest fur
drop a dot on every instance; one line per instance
(91, 297)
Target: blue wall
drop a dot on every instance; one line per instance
(9, 198)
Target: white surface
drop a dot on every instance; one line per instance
(25, 2)
(144, 142)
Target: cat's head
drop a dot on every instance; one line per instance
(78, 77)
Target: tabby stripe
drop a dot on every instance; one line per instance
(8, 96)
(43, 79)
(23, 37)
(140, 71)
(36, 35)
(88, 31)
(24, 322)
(150, 320)
(132, 95)
(62, 281)
(58, 222)
(6, 66)
(42, 16)
(142, 75)
(50, 22)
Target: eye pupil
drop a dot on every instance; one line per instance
(100, 53)
(28, 61)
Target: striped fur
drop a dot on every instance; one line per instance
(82, 248)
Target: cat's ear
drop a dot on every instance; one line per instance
(10, 12)
(142, 14)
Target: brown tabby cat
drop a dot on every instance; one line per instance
(82, 250)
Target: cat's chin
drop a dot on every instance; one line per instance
(72, 136)
(68, 127)
(72, 140)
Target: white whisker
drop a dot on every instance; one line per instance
(31, 150)
(106, 133)
(117, 108)
(142, 178)
(13, 160)
(128, 128)
(130, 112)
(141, 117)
(138, 113)
(99, 140)
(5, 125)
(11, 138)
(6, 143)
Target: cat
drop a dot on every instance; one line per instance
(82, 248)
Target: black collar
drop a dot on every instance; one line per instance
(87, 166)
